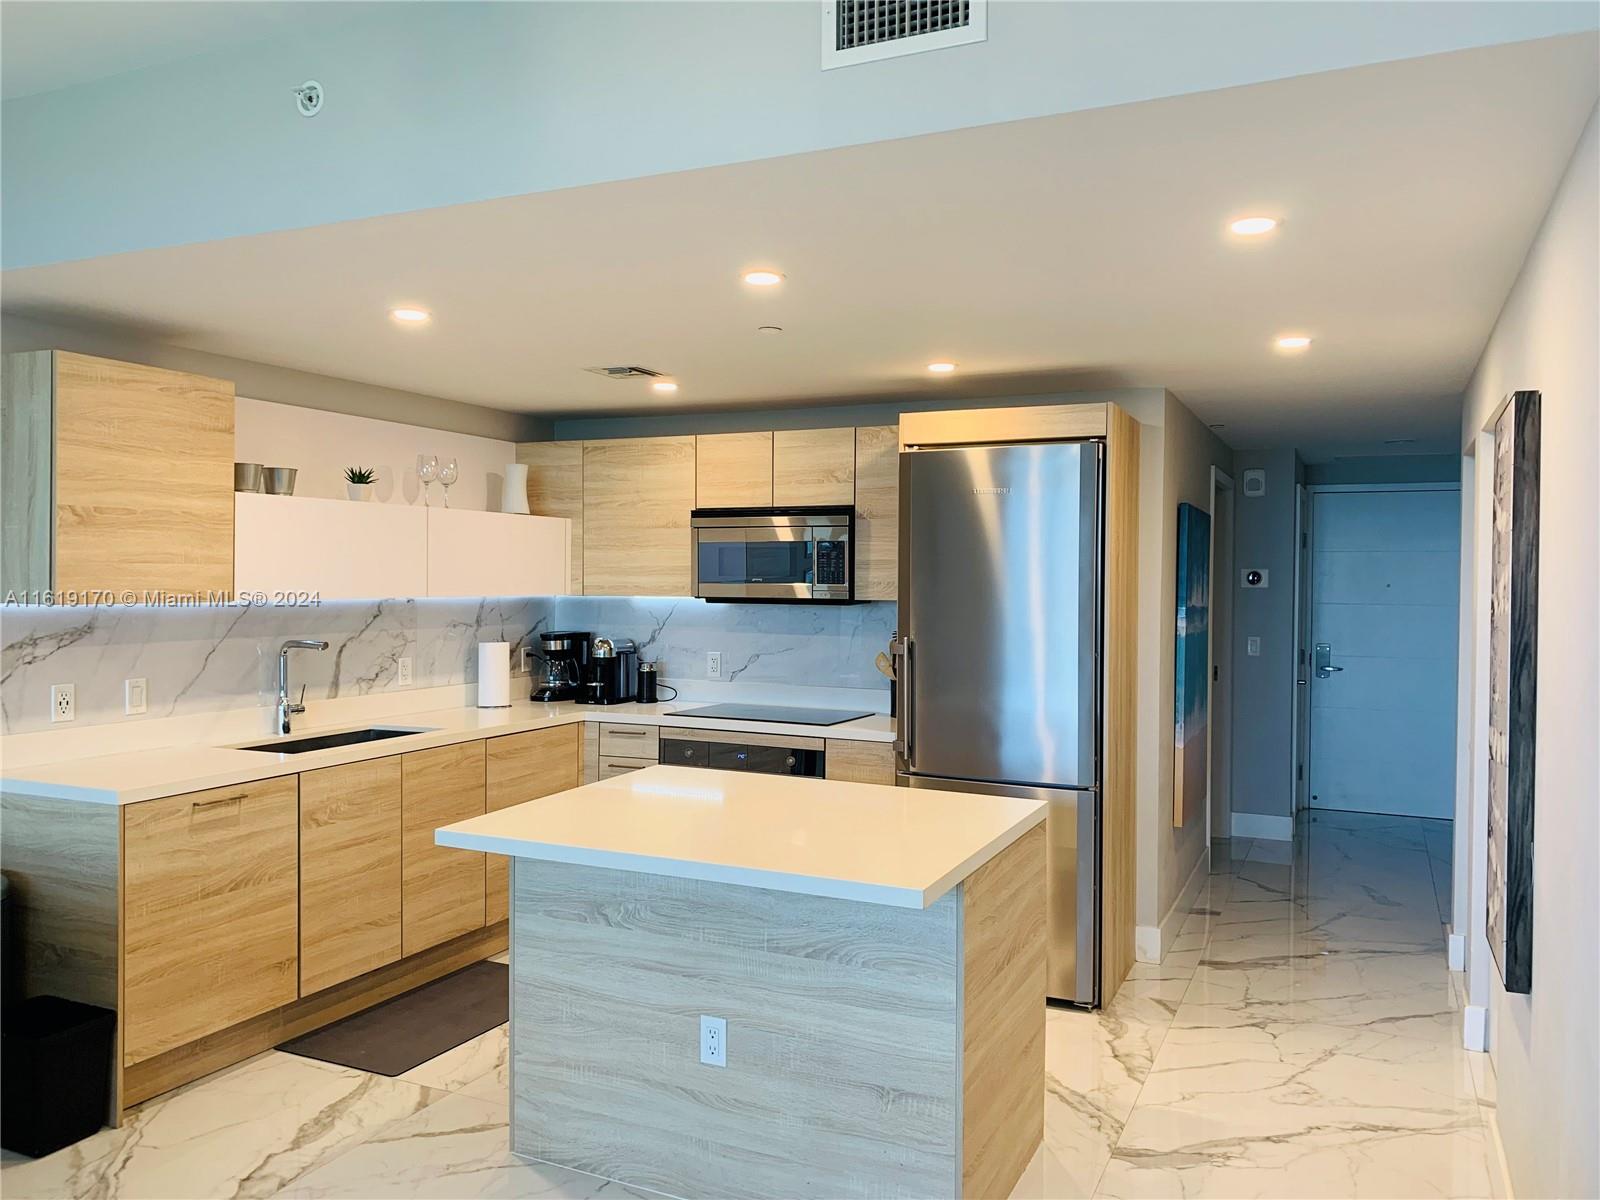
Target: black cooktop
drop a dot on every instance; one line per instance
(773, 712)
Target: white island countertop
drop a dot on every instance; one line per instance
(851, 841)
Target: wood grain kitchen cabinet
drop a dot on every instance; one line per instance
(522, 767)
(117, 477)
(733, 470)
(877, 512)
(442, 889)
(210, 912)
(555, 489)
(349, 871)
(637, 494)
(860, 762)
(814, 466)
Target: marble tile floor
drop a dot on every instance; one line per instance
(1300, 1039)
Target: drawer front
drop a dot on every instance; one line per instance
(521, 767)
(629, 741)
(211, 912)
(612, 765)
(349, 871)
(443, 888)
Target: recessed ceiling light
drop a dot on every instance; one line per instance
(1253, 226)
(941, 368)
(763, 278)
(1293, 341)
(664, 385)
(411, 316)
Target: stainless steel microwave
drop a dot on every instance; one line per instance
(801, 555)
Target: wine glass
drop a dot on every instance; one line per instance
(427, 471)
(448, 474)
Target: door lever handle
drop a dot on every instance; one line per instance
(1323, 659)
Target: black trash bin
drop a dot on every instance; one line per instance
(55, 1073)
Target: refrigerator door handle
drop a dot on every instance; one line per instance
(905, 729)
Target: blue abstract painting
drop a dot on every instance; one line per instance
(1192, 693)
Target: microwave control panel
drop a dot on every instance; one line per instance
(832, 564)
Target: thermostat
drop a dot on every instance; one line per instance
(1255, 482)
(1253, 577)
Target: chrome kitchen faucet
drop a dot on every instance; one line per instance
(286, 709)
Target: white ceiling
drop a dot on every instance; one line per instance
(1079, 250)
(50, 44)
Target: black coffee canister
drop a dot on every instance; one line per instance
(647, 683)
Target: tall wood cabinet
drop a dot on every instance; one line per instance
(637, 493)
(117, 477)
(877, 512)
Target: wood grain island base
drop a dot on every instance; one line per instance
(877, 1045)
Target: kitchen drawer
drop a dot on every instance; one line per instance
(616, 764)
(211, 912)
(629, 741)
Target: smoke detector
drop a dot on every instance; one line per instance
(625, 372)
(308, 98)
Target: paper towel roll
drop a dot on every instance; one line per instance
(494, 674)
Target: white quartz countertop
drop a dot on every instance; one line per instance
(132, 776)
(819, 837)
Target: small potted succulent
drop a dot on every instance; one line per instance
(358, 482)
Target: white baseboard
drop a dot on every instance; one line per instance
(1150, 942)
(1260, 825)
(1455, 948)
(1475, 1027)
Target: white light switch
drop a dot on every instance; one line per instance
(1252, 647)
(135, 695)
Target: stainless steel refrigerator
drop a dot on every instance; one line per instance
(998, 656)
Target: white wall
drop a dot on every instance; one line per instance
(435, 104)
(322, 444)
(1546, 1045)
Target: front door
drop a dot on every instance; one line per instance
(1385, 582)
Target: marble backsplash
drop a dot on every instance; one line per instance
(206, 660)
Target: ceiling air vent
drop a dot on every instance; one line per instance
(857, 31)
(624, 372)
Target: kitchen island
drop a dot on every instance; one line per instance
(876, 954)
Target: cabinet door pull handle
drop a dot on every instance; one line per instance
(199, 804)
(627, 732)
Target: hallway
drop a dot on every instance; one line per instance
(1302, 1037)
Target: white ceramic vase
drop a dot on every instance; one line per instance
(514, 492)
(358, 491)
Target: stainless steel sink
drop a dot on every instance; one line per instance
(327, 741)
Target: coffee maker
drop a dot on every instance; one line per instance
(612, 676)
(566, 665)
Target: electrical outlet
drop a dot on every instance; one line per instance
(402, 672)
(135, 693)
(714, 664)
(1252, 647)
(714, 1041)
(63, 703)
(527, 660)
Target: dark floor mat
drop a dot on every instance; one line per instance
(412, 1028)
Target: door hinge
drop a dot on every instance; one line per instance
(1299, 772)
(1216, 673)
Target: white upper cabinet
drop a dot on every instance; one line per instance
(337, 549)
(497, 554)
(346, 550)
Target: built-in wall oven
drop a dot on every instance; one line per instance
(799, 555)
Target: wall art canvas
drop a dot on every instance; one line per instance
(1513, 666)
(1192, 690)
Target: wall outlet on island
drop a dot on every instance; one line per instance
(713, 664)
(63, 702)
(714, 1041)
(402, 672)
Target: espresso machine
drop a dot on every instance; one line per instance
(612, 675)
(565, 654)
